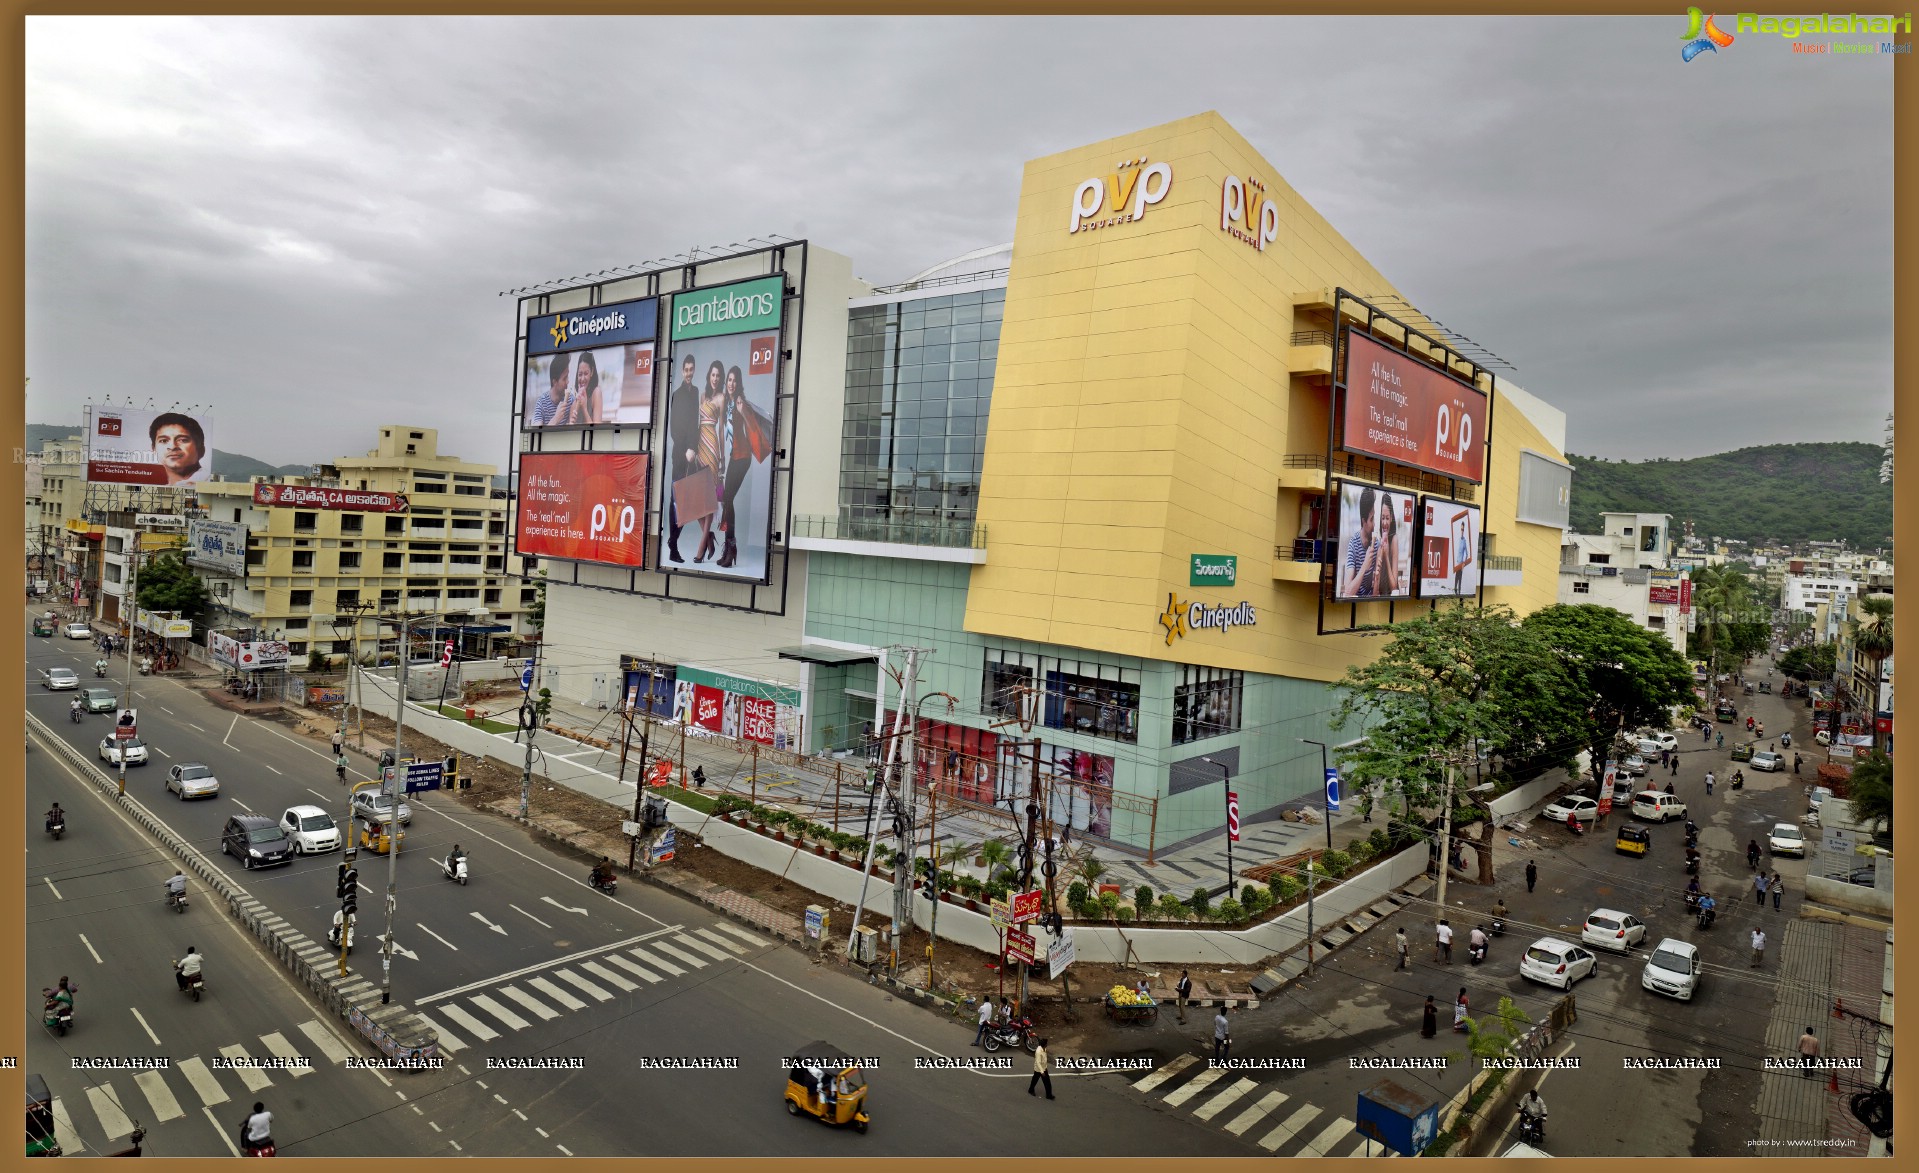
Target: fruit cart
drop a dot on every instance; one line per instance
(1128, 1005)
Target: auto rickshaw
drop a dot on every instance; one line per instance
(1633, 839)
(826, 1085)
(1725, 711)
(42, 1138)
(373, 836)
(42, 626)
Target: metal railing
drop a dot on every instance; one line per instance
(935, 282)
(905, 531)
(1312, 338)
(1504, 562)
(1393, 477)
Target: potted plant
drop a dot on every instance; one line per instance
(993, 855)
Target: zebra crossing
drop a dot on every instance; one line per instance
(110, 1104)
(1279, 1122)
(495, 1010)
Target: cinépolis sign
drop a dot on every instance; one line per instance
(1180, 617)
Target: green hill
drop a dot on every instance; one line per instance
(231, 465)
(1781, 492)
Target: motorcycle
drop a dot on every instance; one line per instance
(333, 937)
(606, 885)
(1692, 865)
(1017, 1035)
(177, 901)
(56, 827)
(1738, 781)
(1475, 954)
(258, 1148)
(1532, 1130)
(75, 715)
(1498, 928)
(193, 985)
(1706, 917)
(454, 869)
(57, 1015)
(100, 670)
(1692, 903)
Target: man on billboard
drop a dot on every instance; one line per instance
(181, 445)
(1359, 543)
(546, 408)
(682, 429)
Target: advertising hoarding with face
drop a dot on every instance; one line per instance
(1449, 562)
(1400, 409)
(608, 385)
(217, 545)
(721, 430)
(130, 446)
(583, 506)
(1374, 558)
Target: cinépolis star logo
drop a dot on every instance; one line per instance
(558, 330)
(1174, 620)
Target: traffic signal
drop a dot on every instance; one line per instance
(349, 882)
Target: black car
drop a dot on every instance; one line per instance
(258, 841)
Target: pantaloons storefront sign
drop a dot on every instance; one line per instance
(1180, 617)
(1122, 197)
(1245, 214)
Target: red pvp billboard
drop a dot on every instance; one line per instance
(1400, 409)
(583, 506)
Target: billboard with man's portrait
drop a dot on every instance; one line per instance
(1374, 557)
(721, 430)
(136, 446)
(591, 366)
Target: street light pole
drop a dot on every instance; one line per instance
(1326, 781)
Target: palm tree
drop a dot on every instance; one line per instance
(1720, 594)
(1869, 791)
(1872, 638)
(995, 854)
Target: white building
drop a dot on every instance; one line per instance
(1630, 568)
(1804, 592)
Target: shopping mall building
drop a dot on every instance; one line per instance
(1096, 475)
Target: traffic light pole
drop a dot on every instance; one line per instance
(393, 819)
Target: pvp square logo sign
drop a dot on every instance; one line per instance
(759, 358)
(106, 425)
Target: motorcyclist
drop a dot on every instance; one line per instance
(1785, 739)
(187, 967)
(603, 872)
(55, 815)
(257, 1133)
(177, 885)
(1693, 893)
(1476, 942)
(1533, 1107)
(1572, 824)
(62, 994)
(76, 709)
(1706, 906)
(100, 666)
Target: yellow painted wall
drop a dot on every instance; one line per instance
(1142, 407)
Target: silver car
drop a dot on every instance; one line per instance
(60, 678)
(192, 780)
(377, 807)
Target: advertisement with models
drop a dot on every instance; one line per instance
(1374, 558)
(583, 506)
(611, 385)
(128, 446)
(735, 706)
(1449, 550)
(721, 430)
(1400, 409)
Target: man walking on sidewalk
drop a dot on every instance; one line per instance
(1443, 944)
(1532, 876)
(1042, 1071)
(1222, 1036)
(1808, 1051)
(1758, 946)
(1709, 783)
(1182, 990)
(1759, 883)
(1778, 889)
(1399, 939)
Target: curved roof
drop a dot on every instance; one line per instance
(980, 260)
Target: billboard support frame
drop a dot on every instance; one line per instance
(1346, 319)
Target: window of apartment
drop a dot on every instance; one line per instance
(396, 525)
(300, 598)
(305, 523)
(296, 623)
(1005, 687)
(529, 596)
(303, 560)
(297, 647)
(1599, 559)
(349, 560)
(1206, 702)
(1656, 622)
(347, 600)
(352, 523)
(342, 647)
(491, 598)
(390, 598)
(1582, 588)
(391, 561)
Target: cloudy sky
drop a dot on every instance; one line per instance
(305, 222)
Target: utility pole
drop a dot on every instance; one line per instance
(393, 817)
(900, 867)
(529, 722)
(1445, 842)
(639, 783)
(133, 587)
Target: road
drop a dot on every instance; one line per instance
(524, 961)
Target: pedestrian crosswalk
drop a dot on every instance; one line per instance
(1279, 1122)
(102, 1113)
(495, 1010)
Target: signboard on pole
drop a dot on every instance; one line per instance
(1332, 789)
(1020, 946)
(664, 846)
(126, 724)
(424, 776)
(1027, 905)
(526, 678)
(1059, 955)
(1232, 815)
(1000, 915)
(815, 918)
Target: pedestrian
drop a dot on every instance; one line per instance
(1709, 781)
(1705, 733)
(1222, 1036)
(1758, 946)
(1443, 944)
(1759, 883)
(1752, 853)
(1665, 757)
(1808, 1051)
(985, 1021)
(338, 740)
(1429, 1020)
(1532, 875)
(1796, 759)
(1042, 1071)
(1675, 765)
(1182, 990)
(1399, 938)
(1778, 889)
(1459, 1012)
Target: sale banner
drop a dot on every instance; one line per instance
(709, 706)
(758, 718)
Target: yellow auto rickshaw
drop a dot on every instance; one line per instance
(1633, 839)
(373, 836)
(826, 1085)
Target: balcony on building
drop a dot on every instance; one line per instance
(876, 535)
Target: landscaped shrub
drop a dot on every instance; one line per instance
(1143, 898)
(1076, 893)
(1336, 863)
(1125, 915)
(1198, 901)
(1173, 908)
(1257, 900)
(1248, 896)
(1287, 888)
(1108, 903)
(1229, 910)
(1379, 839)
(969, 886)
(998, 889)
(1362, 851)
(1089, 910)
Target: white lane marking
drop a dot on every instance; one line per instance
(1264, 1107)
(63, 1125)
(1328, 1137)
(679, 954)
(1148, 1083)
(722, 942)
(106, 1109)
(253, 1077)
(542, 1132)
(228, 739)
(163, 753)
(1288, 1128)
(90, 949)
(692, 942)
(657, 962)
(202, 1081)
(825, 1001)
(563, 1148)
(243, 806)
(562, 907)
(631, 968)
(436, 936)
(164, 709)
(51, 888)
(500, 929)
(144, 1026)
(532, 1004)
(549, 964)
(277, 1043)
(1224, 1100)
(523, 912)
(489, 1006)
(263, 765)
(742, 934)
(449, 1042)
(556, 993)
(159, 1096)
(609, 977)
(1193, 1086)
(591, 990)
(222, 1131)
(189, 723)
(398, 948)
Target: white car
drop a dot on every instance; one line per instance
(1556, 963)
(1664, 739)
(1609, 929)
(59, 678)
(77, 631)
(374, 806)
(1816, 797)
(311, 829)
(1787, 839)
(1823, 737)
(1634, 765)
(1673, 969)
(1585, 809)
(192, 780)
(112, 749)
(1768, 761)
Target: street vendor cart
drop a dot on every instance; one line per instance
(1129, 1005)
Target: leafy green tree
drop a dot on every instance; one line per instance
(166, 584)
(1623, 675)
(1870, 791)
(1872, 638)
(1731, 624)
(1810, 661)
(996, 854)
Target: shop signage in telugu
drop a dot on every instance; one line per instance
(327, 497)
(1215, 570)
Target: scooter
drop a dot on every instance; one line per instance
(56, 827)
(1475, 954)
(57, 1015)
(1706, 916)
(258, 1148)
(1017, 1035)
(1498, 927)
(333, 937)
(607, 885)
(1738, 781)
(454, 869)
(1692, 865)
(100, 670)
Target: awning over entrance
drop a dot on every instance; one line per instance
(831, 657)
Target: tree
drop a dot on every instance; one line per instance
(1870, 791)
(1623, 675)
(996, 854)
(1731, 625)
(1810, 662)
(536, 614)
(165, 584)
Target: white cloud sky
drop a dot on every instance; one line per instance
(304, 221)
